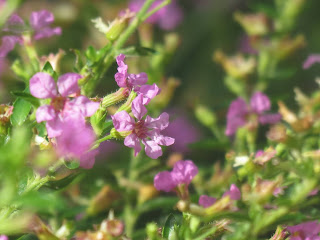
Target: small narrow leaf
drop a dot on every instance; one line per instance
(21, 110)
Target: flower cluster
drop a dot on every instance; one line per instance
(40, 24)
(65, 117)
(147, 130)
(182, 174)
(240, 114)
(135, 82)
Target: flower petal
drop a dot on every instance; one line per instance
(47, 32)
(68, 84)
(270, 118)
(312, 59)
(184, 171)
(45, 113)
(8, 44)
(153, 150)
(42, 85)
(75, 139)
(138, 79)
(260, 102)
(122, 121)
(206, 201)
(41, 19)
(138, 109)
(159, 123)
(234, 193)
(237, 108)
(233, 124)
(164, 182)
(54, 127)
(132, 141)
(149, 92)
(121, 79)
(14, 24)
(83, 105)
(87, 159)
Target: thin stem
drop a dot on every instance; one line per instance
(157, 8)
(108, 60)
(97, 143)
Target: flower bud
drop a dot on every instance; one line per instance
(116, 27)
(236, 66)
(119, 135)
(280, 234)
(114, 227)
(254, 24)
(5, 113)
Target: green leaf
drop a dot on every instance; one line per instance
(138, 51)
(27, 97)
(78, 62)
(91, 54)
(62, 183)
(169, 226)
(74, 164)
(47, 68)
(21, 109)
(28, 237)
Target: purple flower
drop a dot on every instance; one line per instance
(40, 22)
(167, 18)
(183, 172)
(15, 24)
(61, 108)
(312, 59)
(239, 112)
(136, 82)
(145, 130)
(234, 193)
(305, 231)
(3, 237)
(8, 44)
(206, 201)
(75, 142)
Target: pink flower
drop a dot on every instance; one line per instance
(136, 82)
(166, 18)
(234, 193)
(239, 112)
(8, 44)
(14, 24)
(3, 237)
(61, 108)
(75, 142)
(145, 130)
(305, 231)
(183, 172)
(312, 59)
(206, 201)
(40, 22)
